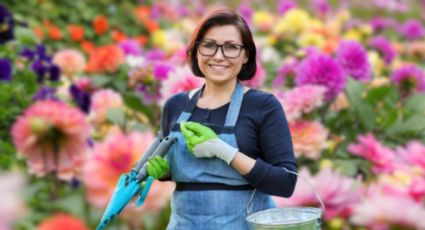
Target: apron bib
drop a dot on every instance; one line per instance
(210, 208)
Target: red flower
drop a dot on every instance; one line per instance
(76, 32)
(100, 24)
(118, 36)
(38, 31)
(106, 58)
(54, 32)
(62, 222)
(87, 46)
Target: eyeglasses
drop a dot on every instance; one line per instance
(228, 50)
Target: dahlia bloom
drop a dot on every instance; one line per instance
(285, 5)
(413, 154)
(116, 155)
(353, 58)
(322, 70)
(337, 192)
(101, 101)
(179, 80)
(309, 138)
(412, 29)
(380, 211)
(130, 47)
(105, 59)
(70, 61)
(262, 20)
(294, 21)
(302, 100)
(285, 75)
(409, 79)
(381, 157)
(384, 47)
(63, 222)
(258, 79)
(53, 137)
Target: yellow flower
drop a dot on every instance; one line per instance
(376, 62)
(353, 34)
(262, 20)
(325, 163)
(159, 39)
(310, 39)
(294, 21)
(271, 40)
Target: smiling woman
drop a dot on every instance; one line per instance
(232, 141)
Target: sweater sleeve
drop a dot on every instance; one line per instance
(275, 140)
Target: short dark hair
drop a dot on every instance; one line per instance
(221, 17)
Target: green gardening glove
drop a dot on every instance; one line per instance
(157, 167)
(204, 142)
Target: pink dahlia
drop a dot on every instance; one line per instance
(381, 157)
(302, 100)
(179, 80)
(309, 138)
(116, 155)
(353, 58)
(412, 29)
(101, 101)
(285, 75)
(384, 47)
(70, 61)
(413, 154)
(53, 137)
(337, 192)
(321, 69)
(409, 79)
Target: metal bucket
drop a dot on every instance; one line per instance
(292, 218)
(289, 218)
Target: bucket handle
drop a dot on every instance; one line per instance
(322, 205)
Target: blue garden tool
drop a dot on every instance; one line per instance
(129, 184)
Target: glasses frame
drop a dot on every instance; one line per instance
(221, 47)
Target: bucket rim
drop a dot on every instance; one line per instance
(314, 210)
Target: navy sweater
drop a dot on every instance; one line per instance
(262, 133)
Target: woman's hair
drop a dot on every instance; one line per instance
(221, 17)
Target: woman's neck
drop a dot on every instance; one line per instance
(218, 92)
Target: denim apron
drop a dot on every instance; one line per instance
(210, 208)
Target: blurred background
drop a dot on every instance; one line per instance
(82, 84)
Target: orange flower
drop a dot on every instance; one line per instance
(76, 32)
(87, 46)
(63, 222)
(151, 25)
(54, 32)
(118, 36)
(142, 39)
(100, 24)
(38, 31)
(106, 58)
(142, 13)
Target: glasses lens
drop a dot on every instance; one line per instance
(207, 48)
(231, 50)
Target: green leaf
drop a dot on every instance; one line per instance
(116, 116)
(100, 81)
(134, 101)
(415, 103)
(413, 124)
(362, 109)
(347, 167)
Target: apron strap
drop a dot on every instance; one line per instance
(235, 106)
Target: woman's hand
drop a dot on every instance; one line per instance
(204, 142)
(157, 167)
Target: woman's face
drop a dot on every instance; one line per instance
(217, 67)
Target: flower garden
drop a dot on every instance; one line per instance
(82, 84)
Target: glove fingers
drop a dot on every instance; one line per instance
(163, 164)
(152, 171)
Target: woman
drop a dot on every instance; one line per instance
(232, 140)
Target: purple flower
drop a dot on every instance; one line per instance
(82, 99)
(285, 75)
(149, 95)
(246, 11)
(353, 58)
(6, 25)
(412, 29)
(285, 5)
(28, 54)
(383, 46)
(155, 54)
(45, 93)
(409, 79)
(161, 70)
(130, 47)
(42, 64)
(321, 69)
(379, 23)
(5, 70)
(321, 7)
